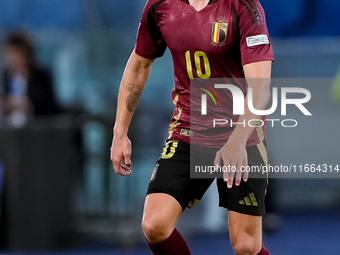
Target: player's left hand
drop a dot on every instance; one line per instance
(234, 156)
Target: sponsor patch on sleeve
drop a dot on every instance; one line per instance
(257, 40)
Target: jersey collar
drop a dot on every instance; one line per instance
(210, 2)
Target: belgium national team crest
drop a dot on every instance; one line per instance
(219, 32)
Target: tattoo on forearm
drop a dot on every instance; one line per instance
(133, 99)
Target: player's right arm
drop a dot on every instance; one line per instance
(134, 79)
(150, 44)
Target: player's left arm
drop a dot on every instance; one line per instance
(234, 152)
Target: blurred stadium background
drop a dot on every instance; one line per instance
(86, 44)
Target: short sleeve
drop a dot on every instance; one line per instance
(150, 42)
(255, 43)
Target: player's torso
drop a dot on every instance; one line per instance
(204, 44)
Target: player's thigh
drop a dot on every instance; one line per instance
(245, 231)
(160, 216)
(162, 207)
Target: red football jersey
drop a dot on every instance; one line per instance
(213, 43)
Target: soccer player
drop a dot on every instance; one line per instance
(207, 39)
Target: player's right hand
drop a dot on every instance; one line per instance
(121, 151)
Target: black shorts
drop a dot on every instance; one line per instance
(171, 175)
